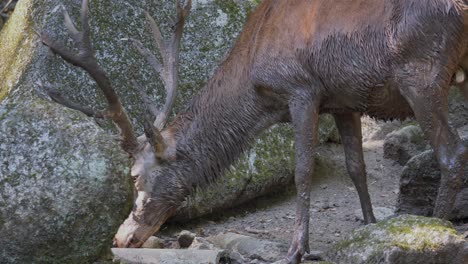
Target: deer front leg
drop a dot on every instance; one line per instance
(430, 105)
(349, 126)
(304, 113)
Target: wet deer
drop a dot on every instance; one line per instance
(293, 60)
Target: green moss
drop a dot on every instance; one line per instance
(425, 230)
(408, 233)
(16, 47)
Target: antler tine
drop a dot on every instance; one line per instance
(86, 60)
(152, 134)
(74, 33)
(152, 60)
(172, 65)
(169, 51)
(157, 36)
(85, 27)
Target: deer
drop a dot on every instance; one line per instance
(293, 61)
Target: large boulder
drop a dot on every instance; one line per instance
(420, 178)
(64, 185)
(403, 240)
(419, 184)
(401, 145)
(64, 181)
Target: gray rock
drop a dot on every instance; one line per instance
(64, 185)
(419, 185)
(167, 256)
(64, 181)
(250, 247)
(234, 258)
(314, 255)
(380, 213)
(185, 239)
(153, 242)
(405, 143)
(201, 243)
(402, 240)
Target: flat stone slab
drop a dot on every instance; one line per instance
(250, 247)
(166, 256)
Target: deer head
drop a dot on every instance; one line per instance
(151, 151)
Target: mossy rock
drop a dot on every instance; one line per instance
(405, 239)
(401, 145)
(419, 185)
(64, 181)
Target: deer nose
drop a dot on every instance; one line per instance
(135, 178)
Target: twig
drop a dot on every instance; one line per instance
(6, 6)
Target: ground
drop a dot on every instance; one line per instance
(334, 201)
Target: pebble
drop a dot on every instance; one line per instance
(185, 238)
(314, 255)
(153, 242)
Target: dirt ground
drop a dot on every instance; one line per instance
(334, 201)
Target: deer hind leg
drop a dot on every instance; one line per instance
(426, 92)
(349, 126)
(304, 115)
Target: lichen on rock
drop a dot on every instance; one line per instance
(405, 239)
(64, 181)
(64, 185)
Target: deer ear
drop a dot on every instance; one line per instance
(170, 144)
(167, 149)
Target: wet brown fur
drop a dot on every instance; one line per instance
(296, 59)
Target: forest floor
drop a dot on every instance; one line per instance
(335, 207)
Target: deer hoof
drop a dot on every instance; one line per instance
(299, 246)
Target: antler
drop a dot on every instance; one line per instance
(167, 70)
(169, 51)
(86, 60)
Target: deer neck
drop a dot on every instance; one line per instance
(219, 124)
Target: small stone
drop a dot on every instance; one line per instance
(250, 247)
(314, 255)
(201, 243)
(324, 205)
(153, 242)
(185, 239)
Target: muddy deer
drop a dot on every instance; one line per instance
(293, 60)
